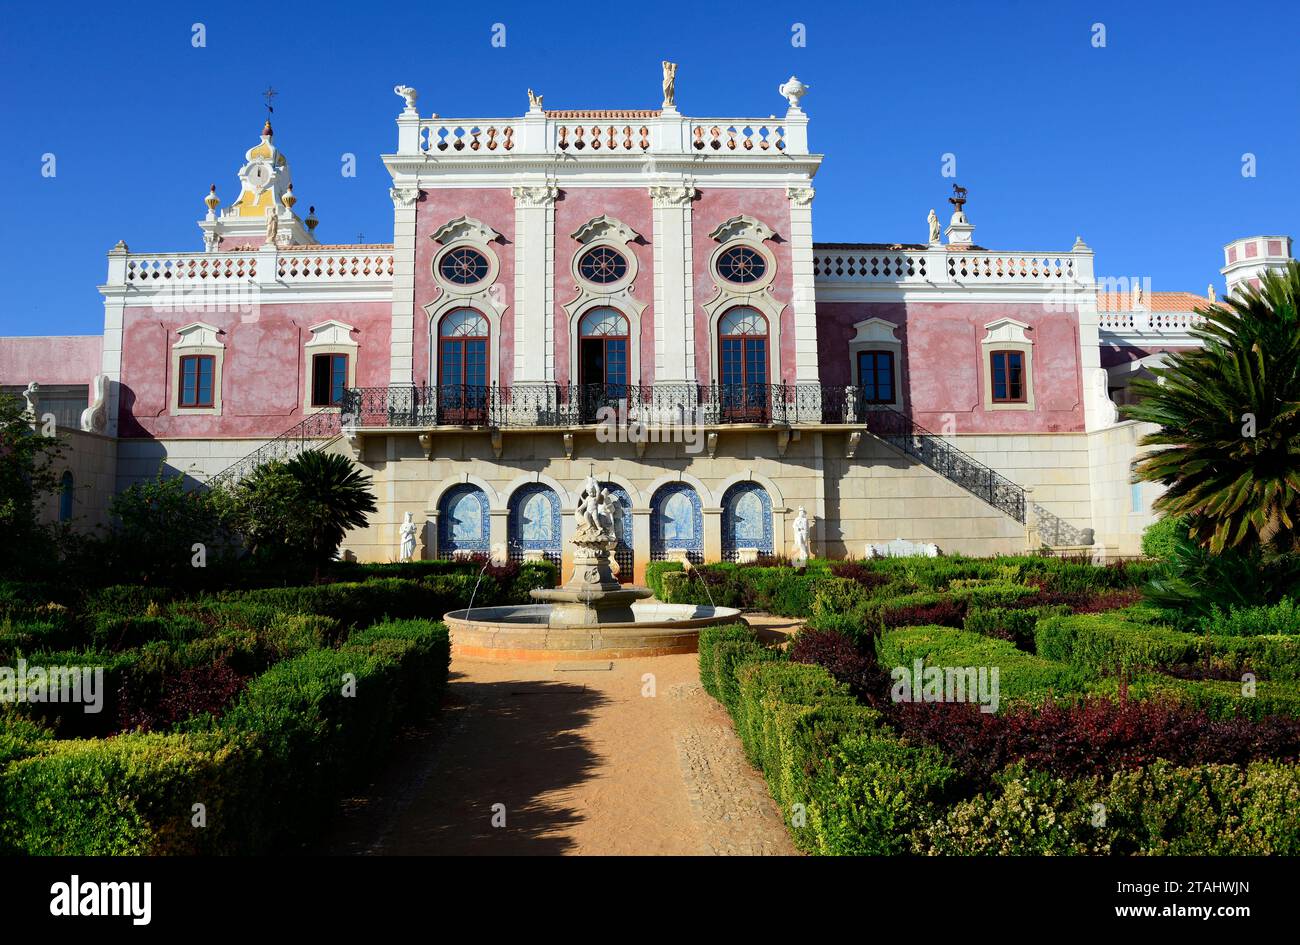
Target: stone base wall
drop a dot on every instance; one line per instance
(1121, 508)
(92, 460)
(873, 496)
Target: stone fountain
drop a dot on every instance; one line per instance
(593, 614)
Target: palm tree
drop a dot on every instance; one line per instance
(334, 495)
(1229, 418)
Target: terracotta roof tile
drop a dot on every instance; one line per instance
(1154, 302)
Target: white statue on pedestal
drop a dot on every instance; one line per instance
(407, 532)
(933, 220)
(802, 551)
(670, 84)
(32, 396)
(598, 514)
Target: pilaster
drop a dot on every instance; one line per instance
(804, 294)
(401, 366)
(674, 282)
(534, 282)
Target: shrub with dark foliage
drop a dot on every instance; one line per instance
(839, 656)
(945, 613)
(1093, 736)
(188, 692)
(856, 571)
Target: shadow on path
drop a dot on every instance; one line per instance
(516, 743)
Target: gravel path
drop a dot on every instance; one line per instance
(616, 757)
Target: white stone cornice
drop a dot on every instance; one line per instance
(742, 227)
(535, 195)
(464, 228)
(404, 196)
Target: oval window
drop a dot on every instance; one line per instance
(602, 265)
(741, 265)
(463, 266)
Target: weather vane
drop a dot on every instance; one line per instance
(269, 94)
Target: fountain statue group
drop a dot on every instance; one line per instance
(600, 517)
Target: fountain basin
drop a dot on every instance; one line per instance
(530, 632)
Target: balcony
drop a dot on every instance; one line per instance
(530, 406)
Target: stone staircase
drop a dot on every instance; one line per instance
(899, 431)
(315, 432)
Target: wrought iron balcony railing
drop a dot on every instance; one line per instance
(556, 405)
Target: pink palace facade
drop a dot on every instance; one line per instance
(637, 294)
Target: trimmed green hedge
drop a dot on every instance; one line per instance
(267, 772)
(1021, 675)
(1105, 643)
(710, 640)
(1102, 643)
(1016, 624)
(846, 784)
(1156, 810)
(654, 576)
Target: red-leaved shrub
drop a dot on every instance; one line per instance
(945, 613)
(188, 692)
(855, 571)
(1093, 737)
(836, 653)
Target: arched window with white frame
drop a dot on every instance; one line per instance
(743, 364)
(603, 340)
(463, 366)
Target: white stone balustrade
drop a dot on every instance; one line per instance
(921, 267)
(1140, 327)
(301, 265)
(613, 132)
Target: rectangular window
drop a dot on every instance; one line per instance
(197, 371)
(1008, 369)
(876, 376)
(329, 377)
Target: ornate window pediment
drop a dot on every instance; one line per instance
(605, 229)
(198, 335)
(331, 333)
(1007, 331)
(742, 227)
(464, 228)
(875, 331)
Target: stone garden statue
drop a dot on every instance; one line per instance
(408, 531)
(802, 551)
(32, 396)
(670, 84)
(599, 516)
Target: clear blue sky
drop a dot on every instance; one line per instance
(1137, 146)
